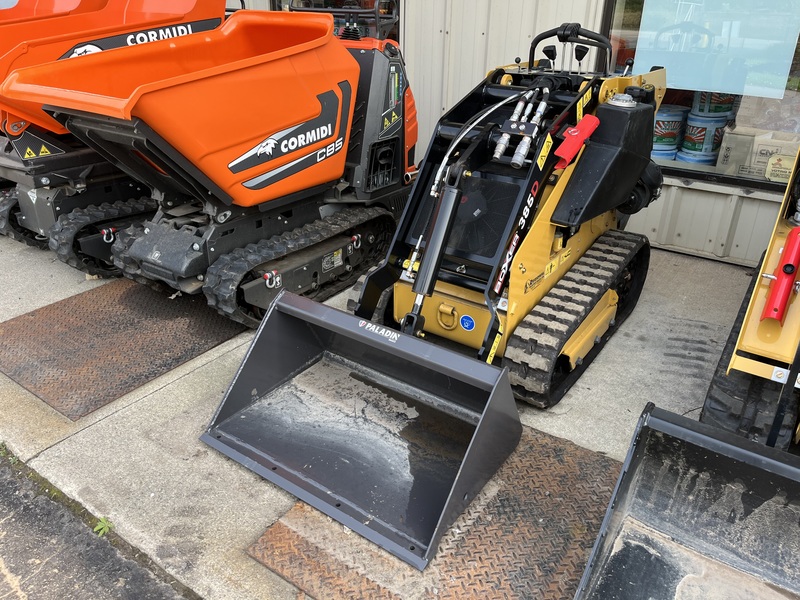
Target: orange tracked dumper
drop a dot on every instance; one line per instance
(57, 192)
(279, 154)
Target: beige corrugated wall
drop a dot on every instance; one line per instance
(450, 45)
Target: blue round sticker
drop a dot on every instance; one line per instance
(467, 323)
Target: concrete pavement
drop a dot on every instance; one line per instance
(47, 552)
(138, 460)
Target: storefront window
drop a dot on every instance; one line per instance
(715, 48)
(389, 28)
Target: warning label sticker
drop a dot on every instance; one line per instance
(30, 146)
(332, 261)
(548, 143)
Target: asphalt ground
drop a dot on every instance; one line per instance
(50, 551)
(139, 463)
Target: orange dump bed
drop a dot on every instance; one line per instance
(112, 24)
(25, 10)
(260, 106)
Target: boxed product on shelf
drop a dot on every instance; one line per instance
(746, 152)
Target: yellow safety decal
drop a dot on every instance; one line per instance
(26, 146)
(565, 255)
(389, 121)
(548, 143)
(583, 101)
(495, 344)
(550, 268)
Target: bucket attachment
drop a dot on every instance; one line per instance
(386, 433)
(698, 513)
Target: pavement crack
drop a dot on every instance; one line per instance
(13, 582)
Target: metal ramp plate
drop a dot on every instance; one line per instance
(528, 534)
(83, 352)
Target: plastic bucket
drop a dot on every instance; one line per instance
(698, 158)
(703, 135)
(94, 25)
(669, 126)
(711, 104)
(173, 85)
(664, 154)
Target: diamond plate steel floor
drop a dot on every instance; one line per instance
(85, 351)
(527, 535)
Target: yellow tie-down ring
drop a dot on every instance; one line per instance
(447, 312)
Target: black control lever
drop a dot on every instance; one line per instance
(580, 54)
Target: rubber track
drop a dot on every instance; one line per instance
(228, 271)
(64, 232)
(8, 202)
(536, 343)
(743, 403)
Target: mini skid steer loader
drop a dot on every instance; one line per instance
(754, 391)
(705, 510)
(278, 155)
(508, 270)
(54, 190)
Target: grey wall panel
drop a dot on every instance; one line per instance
(725, 223)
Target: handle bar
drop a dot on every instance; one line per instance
(573, 33)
